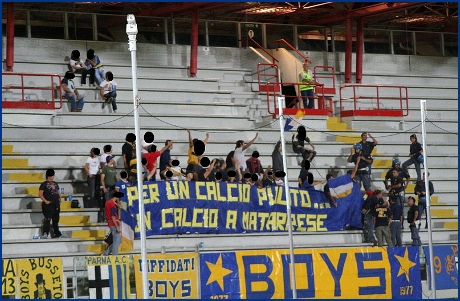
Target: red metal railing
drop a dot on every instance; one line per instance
(306, 59)
(327, 80)
(22, 91)
(373, 100)
(291, 101)
(247, 39)
(267, 77)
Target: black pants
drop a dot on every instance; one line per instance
(91, 76)
(51, 213)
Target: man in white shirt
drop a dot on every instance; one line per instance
(240, 160)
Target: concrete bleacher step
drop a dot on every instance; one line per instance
(34, 216)
(93, 232)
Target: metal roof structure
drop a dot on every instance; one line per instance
(414, 16)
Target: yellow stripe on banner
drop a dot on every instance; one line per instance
(115, 279)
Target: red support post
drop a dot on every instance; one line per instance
(9, 37)
(348, 49)
(359, 50)
(194, 44)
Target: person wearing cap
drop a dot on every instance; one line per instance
(42, 292)
(93, 177)
(70, 92)
(362, 174)
(415, 151)
(254, 165)
(109, 177)
(113, 221)
(412, 216)
(382, 220)
(50, 194)
(396, 164)
(397, 217)
(420, 191)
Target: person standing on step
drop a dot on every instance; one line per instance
(165, 159)
(127, 150)
(93, 177)
(107, 152)
(108, 177)
(396, 188)
(415, 152)
(362, 174)
(254, 165)
(108, 91)
(396, 222)
(240, 160)
(50, 194)
(368, 211)
(113, 221)
(277, 157)
(70, 92)
(382, 220)
(421, 193)
(193, 159)
(412, 216)
(306, 87)
(367, 148)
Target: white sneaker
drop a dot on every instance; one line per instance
(45, 236)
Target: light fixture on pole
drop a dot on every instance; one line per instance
(131, 31)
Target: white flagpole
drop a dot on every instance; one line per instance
(288, 197)
(427, 199)
(131, 31)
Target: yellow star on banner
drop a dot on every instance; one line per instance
(218, 272)
(405, 264)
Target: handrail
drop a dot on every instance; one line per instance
(271, 95)
(260, 46)
(382, 100)
(306, 59)
(327, 89)
(25, 102)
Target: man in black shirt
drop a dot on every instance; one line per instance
(421, 193)
(412, 216)
(368, 211)
(382, 220)
(396, 188)
(362, 173)
(50, 194)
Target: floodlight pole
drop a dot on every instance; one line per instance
(131, 31)
(427, 199)
(288, 198)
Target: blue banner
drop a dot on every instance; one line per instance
(350, 273)
(208, 207)
(445, 266)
